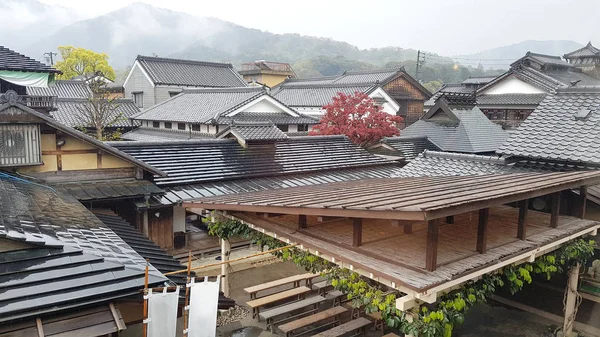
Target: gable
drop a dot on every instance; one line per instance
(400, 86)
(512, 85)
(134, 74)
(263, 104)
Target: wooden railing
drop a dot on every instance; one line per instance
(39, 102)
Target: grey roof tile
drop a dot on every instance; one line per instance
(275, 118)
(587, 50)
(409, 148)
(71, 112)
(510, 99)
(316, 95)
(146, 134)
(11, 60)
(197, 161)
(552, 132)
(191, 73)
(62, 89)
(256, 132)
(468, 131)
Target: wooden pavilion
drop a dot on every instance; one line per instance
(422, 236)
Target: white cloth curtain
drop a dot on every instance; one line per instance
(27, 79)
(162, 313)
(203, 309)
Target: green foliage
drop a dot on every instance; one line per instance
(433, 86)
(81, 61)
(436, 320)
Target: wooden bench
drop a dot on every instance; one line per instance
(257, 303)
(334, 312)
(295, 280)
(377, 320)
(270, 314)
(322, 287)
(336, 295)
(356, 325)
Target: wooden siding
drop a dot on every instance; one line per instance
(160, 228)
(138, 82)
(400, 87)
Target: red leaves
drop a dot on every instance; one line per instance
(357, 117)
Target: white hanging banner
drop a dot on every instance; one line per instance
(162, 313)
(204, 302)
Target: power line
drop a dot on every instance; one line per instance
(420, 63)
(50, 56)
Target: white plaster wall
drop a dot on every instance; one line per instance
(178, 219)
(513, 85)
(263, 106)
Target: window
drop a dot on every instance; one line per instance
(195, 127)
(156, 124)
(168, 125)
(138, 99)
(181, 126)
(302, 127)
(283, 127)
(20, 144)
(173, 93)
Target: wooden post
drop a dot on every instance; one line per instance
(356, 232)
(571, 300)
(555, 210)
(301, 221)
(450, 219)
(408, 229)
(522, 227)
(145, 224)
(187, 292)
(145, 325)
(583, 193)
(225, 252)
(433, 229)
(482, 230)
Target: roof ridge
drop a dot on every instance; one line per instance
(331, 85)
(222, 89)
(185, 61)
(544, 55)
(463, 156)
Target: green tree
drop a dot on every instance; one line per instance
(433, 86)
(81, 61)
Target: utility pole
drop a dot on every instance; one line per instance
(420, 62)
(50, 55)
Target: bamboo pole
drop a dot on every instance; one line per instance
(230, 261)
(187, 291)
(145, 325)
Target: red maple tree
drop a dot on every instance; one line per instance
(357, 117)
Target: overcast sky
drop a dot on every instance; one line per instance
(448, 27)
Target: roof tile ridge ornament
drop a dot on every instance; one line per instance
(464, 156)
(11, 97)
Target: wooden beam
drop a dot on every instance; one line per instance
(59, 162)
(433, 230)
(522, 226)
(328, 218)
(482, 230)
(450, 219)
(583, 193)
(301, 221)
(408, 229)
(99, 160)
(555, 209)
(40, 327)
(356, 232)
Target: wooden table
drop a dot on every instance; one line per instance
(295, 280)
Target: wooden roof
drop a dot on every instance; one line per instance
(422, 198)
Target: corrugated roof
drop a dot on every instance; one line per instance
(552, 132)
(63, 89)
(463, 130)
(74, 259)
(216, 160)
(170, 71)
(201, 105)
(11, 60)
(75, 112)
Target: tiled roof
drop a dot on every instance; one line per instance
(63, 89)
(575, 76)
(108, 189)
(188, 192)
(201, 105)
(432, 163)
(189, 162)
(190, 73)
(587, 50)
(356, 77)
(275, 118)
(316, 95)
(11, 60)
(457, 130)
(72, 112)
(542, 59)
(72, 259)
(449, 88)
(409, 148)
(146, 134)
(256, 132)
(478, 80)
(510, 99)
(562, 128)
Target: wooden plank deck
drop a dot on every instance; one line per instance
(387, 251)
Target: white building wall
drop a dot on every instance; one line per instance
(513, 85)
(178, 219)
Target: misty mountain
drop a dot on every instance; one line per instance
(502, 57)
(24, 21)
